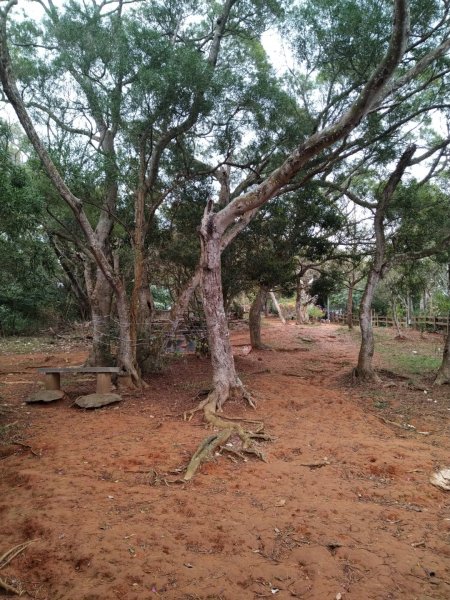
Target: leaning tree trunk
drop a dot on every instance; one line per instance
(277, 307)
(226, 383)
(254, 318)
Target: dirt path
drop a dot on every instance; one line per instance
(342, 506)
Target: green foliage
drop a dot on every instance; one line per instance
(296, 225)
(29, 291)
(315, 312)
(421, 214)
(161, 297)
(441, 301)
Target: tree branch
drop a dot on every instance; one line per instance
(371, 93)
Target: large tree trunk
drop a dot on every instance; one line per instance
(150, 344)
(443, 375)
(126, 352)
(254, 318)
(301, 302)
(225, 380)
(139, 260)
(101, 301)
(364, 369)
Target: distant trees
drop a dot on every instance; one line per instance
(31, 282)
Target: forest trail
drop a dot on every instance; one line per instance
(342, 508)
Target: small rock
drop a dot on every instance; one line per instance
(97, 400)
(441, 479)
(46, 396)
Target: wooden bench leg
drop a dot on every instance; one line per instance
(52, 381)
(103, 383)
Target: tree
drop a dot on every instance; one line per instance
(364, 369)
(215, 224)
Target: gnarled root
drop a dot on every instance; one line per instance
(442, 378)
(217, 397)
(130, 369)
(359, 376)
(227, 427)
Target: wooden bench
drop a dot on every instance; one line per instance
(53, 376)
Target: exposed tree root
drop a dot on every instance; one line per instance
(9, 588)
(7, 558)
(227, 428)
(442, 378)
(218, 396)
(13, 552)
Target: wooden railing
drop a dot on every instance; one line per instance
(421, 323)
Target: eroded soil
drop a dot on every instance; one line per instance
(342, 506)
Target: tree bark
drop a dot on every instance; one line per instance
(126, 352)
(396, 319)
(301, 301)
(101, 303)
(226, 383)
(254, 318)
(443, 375)
(364, 369)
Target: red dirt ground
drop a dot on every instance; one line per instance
(108, 524)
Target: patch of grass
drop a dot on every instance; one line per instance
(381, 404)
(354, 333)
(408, 363)
(25, 345)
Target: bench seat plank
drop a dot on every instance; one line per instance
(80, 370)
